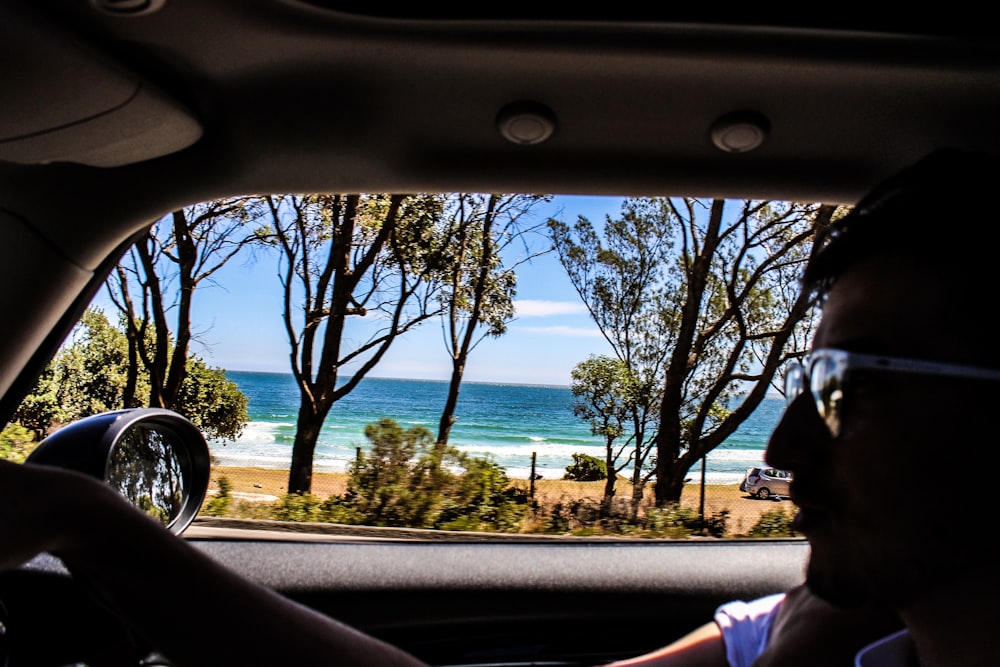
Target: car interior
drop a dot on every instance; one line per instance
(116, 112)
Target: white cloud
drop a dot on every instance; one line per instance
(563, 331)
(536, 308)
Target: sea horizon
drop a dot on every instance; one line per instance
(507, 422)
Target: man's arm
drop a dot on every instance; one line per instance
(149, 577)
(702, 647)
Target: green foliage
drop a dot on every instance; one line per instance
(483, 499)
(347, 256)
(588, 516)
(479, 279)
(41, 408)
(387, 486)
(675, 520)
(16, 442)
(212, 401)
(622, 280)
(700, 291)
(773, 523)
(477, 272)
(92, 371)
(581, 516)
(219, 505)
(604, 389)
(715, 524)
(149, 506)
(409, 480)
(298, 507)
(586, 468)
(89, 375)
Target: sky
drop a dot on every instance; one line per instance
(238, 327)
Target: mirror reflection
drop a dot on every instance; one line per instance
(145, 468)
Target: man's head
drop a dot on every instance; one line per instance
(885, 446)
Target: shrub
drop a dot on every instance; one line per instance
(16, 442)
(682, 521)
(671, 521)
(219, 504)
(409, 480)
(586, 468)
(773, 523)
(588, 516)
(295, 507)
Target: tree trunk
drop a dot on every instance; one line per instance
(448, 414)
(670, 472)
(669, 488)
(306, 434)
(609, 482)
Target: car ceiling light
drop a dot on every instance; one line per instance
(740, 131)
(526, 123)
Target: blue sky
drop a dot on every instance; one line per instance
(237, 322)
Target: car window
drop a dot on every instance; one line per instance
(538, 433)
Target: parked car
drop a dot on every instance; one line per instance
(116, 114)
(765, 483)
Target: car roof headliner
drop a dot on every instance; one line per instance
(284, 96)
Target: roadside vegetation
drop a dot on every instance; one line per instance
(94, 373)
(408, 480)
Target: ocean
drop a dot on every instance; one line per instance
(507, 422)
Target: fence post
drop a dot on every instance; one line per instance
(701, 506)
(531, 477)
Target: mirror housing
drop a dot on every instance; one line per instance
(155, 458)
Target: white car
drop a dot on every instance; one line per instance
(766, 483)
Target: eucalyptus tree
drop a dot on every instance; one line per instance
(153, 287)
(490, 236)
(604, 393)
(357, 272)
(621, 279)
(715, 320)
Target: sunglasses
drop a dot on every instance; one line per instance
(824, 370)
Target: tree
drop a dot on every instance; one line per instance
(89, 375)
(346, 258)
(723, 307)
(211, 401)
(155, 283)
(478, 286)
(604, 389)
(622, 282)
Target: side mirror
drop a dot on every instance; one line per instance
(155, 458)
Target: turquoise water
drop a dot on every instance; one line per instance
(507, 422)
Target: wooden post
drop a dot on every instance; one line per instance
(531, 477)
(701, 506)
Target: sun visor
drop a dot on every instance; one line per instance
(65, 102)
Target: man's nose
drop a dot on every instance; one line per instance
(799, 437)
